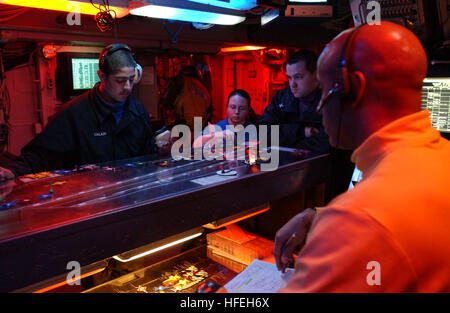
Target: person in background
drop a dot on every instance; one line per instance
(294, 107)
(300, 125)
(239, 109)
(239, 112)
(104, 124)
(186, 97)
(390, 233)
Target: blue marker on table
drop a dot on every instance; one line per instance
(8, 205)
(46, 196)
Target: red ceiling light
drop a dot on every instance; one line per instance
(48, 51)
(241, 48)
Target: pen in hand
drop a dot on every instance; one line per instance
(287, 258)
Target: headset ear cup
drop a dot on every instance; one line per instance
(349, 95)
(138, 73)
(110, 49)
(352, 82)
(345, 82)
(348, 81)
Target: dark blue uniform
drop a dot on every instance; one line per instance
(85, 131)
(293, 115)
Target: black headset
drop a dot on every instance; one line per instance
(347, 76)
(344, 90)
(109, 50)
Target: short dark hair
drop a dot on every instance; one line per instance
(240, 92)
(307, 56)
(117, 60)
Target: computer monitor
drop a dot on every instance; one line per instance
(76, 72)
(436, 99)
(84, 73)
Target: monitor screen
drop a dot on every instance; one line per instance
(84, 73)
(76, 73)
(436, 99)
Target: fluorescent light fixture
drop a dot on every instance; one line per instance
(173, 243)
(186, 11)
(238, 217)
(269, 16)
(230, 4)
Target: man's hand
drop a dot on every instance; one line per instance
(291, 237)
(213, 137)
(228, 135)
(7, 183)
(6, 174)
(204, 138)
(164, 142)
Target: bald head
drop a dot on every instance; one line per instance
(387, 65)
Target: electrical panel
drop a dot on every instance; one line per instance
(408, 12)
(416, 15)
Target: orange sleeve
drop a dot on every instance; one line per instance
(340, 254)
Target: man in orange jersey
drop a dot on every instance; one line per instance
(390, 233)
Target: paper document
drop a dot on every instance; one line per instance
(259, 277)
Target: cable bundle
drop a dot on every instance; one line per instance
(105, 17)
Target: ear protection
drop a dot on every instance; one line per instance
(109, 50)
(348, 77)
(347, 74)
(138, 70)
